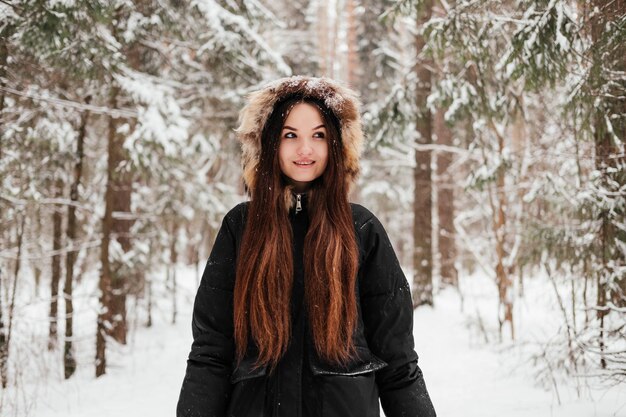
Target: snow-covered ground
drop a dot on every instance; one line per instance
(467, 371)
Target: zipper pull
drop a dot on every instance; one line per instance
(298, 203)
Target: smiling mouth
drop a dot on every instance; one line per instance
(304, 163)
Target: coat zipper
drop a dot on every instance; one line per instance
(298, 203)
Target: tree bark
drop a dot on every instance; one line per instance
(322, 36)
(35, 265)
(122, 181)
(69, 362)
(121, 185)
(519, 144)
(422, 206)
(610, 157)
(352, 43)
(333, 61)
(609, 163)
(3, 341)
(5, 337)
(172, 268)
(57, 220)
(149, 307)
(104, 315)
(445, 204)
(503, 279)
(4, 55)
(498, 208)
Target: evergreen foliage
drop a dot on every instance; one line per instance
(559, 66)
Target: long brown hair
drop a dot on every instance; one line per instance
(264, 272)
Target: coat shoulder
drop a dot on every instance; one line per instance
(360, 214)
(236, 216)
(367, 226)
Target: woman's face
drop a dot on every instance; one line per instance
(303, 149)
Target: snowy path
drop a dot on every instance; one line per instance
(465, 377)
(468, 379)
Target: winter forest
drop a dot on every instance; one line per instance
(495, 158)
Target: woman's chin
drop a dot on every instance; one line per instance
(301, 183)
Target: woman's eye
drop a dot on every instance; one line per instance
(287, 135)
(321, 135)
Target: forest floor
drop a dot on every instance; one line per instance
(468, 371)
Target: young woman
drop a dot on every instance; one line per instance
(303, 309)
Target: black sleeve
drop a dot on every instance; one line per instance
(387, 312)
(206, 387)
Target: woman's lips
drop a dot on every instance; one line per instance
(304, 165)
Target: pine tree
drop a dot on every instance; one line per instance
(164, 84)
(508, 75)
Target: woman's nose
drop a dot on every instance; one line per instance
(305, 147)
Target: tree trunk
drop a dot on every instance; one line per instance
(120, 281)
(4, 55)
(422, 206)
(611, 283)
(104, 315)
(352, 43)
(36, 265)
(69, 362)
(3, 341)
(519, 144)
(172, 269)
(149, 289)
(322, 36)
(445, 204)
(193, 246)
(498, 208)
(5, 338)
(121, 185)
(333, 61)
(57, 220)
(610, 154)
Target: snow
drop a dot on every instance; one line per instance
(467, 371)
(7, 14)
(560, 38)
(218, 18)
(63, 3)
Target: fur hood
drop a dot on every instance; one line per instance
(343, 101)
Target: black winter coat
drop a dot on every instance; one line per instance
(303, 385)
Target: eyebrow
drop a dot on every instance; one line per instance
(292, 128)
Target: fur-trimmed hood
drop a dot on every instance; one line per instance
(343, 101)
